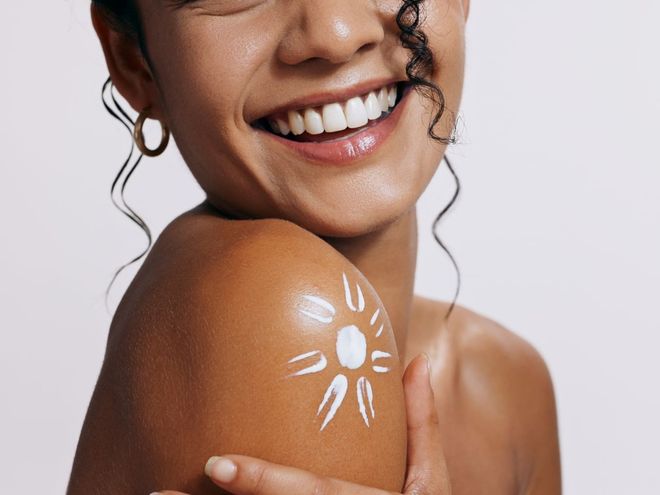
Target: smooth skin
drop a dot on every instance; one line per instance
(426, 472)
(170, 395)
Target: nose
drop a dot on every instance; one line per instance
(331, 30)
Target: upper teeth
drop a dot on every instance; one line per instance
(338, 116)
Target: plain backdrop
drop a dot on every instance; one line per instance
(556, 231)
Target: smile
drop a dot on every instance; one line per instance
(340, 132)
(353, 113)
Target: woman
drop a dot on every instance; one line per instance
(275, 319)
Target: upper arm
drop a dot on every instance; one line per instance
(273, 349)
(541, 437)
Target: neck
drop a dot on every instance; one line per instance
(387, 258)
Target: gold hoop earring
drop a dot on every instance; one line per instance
(138, 135)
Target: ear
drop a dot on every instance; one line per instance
(128, 67)
(466, 8)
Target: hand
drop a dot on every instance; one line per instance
(426, 473)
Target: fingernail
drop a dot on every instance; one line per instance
(154, 493)
(220, 469)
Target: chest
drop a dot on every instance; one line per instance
(478, 447)
(478, 436)
(478, 442)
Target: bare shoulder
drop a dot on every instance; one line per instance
(250, 337)
(504, 384)
(490, 349)
(482, 345)
(205, 258)
(228, 267)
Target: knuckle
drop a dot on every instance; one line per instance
(433, 418)
(259, 475)
(429, 420)
(423, 482)
(415, 484)
(322, 486)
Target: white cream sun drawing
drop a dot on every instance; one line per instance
(351, 352)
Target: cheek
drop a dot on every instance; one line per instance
(445, 28)
(208, 66)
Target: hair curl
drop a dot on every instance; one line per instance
(123, 15)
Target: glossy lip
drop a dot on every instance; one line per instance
(325, 97)
(348, 150)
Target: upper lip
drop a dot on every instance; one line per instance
(328, 96)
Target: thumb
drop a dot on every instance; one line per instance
(427, 469)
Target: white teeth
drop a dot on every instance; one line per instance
(335, 117)
(383, 99)
(283, 126)
(356, 113)
(296, 122)
(391, 96)
(372, 106)
(313, 121)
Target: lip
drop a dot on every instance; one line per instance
(348, 150)
(325, 97)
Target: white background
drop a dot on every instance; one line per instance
(556, 231)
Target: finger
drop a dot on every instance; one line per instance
(427, 470)
(242, 475)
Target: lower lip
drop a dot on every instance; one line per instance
(353, 148)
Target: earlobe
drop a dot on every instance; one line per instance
(128, 68)
(466, 8)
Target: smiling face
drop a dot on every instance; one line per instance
(220, 72)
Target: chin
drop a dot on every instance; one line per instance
(370, 215)
(343, 215)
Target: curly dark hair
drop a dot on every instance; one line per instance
(123, 15)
